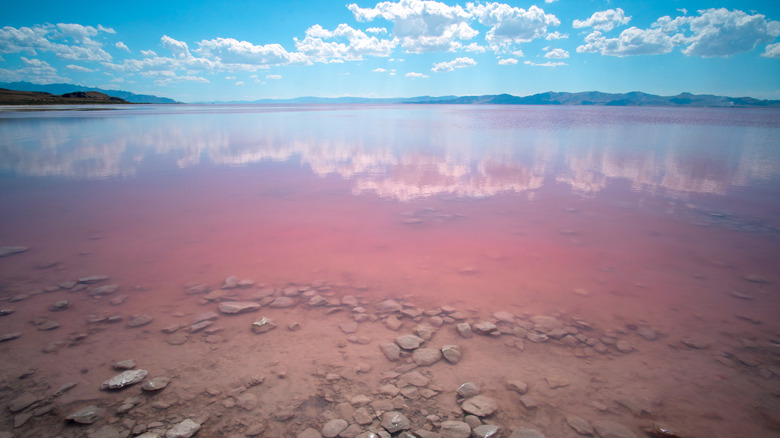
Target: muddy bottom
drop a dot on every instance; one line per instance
(297, 356)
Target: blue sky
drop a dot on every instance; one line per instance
(247, 50)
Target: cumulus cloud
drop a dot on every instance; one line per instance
(511, 24)
(79, 68)
(557, 54)
(240, 83)
(148, 53)
(229, 51)
(415, 75)
(376, 30)
(507, 61)
(273, 77)
(73, 41)
(422, 25)
(556, 36)
(122, 46)
(713, 33)
(379, 70)
(452, 65)
(544, 64)
(772, 51)
(356, 45)
(604, 20)
(34, 70)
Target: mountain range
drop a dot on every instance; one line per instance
(70, 88)
(634, 98)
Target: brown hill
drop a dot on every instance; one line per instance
(12, 97)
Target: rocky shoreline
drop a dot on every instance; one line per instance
(323, 359)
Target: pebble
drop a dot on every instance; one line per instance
(60, 305)
(395, 421)
(486, 431)
(176, 339)
(647, 334)
(334, 427)
(392, 351)
(464, 329)
(126, 378)
(185, 429)
(49, 325)
(454, 429)
(580, 425)
(484, 328)
(624, 347)
(526, 432)
(409, 342)
(4, 312)
(468, 389)
(348, 327)
(393, 323)
(517, 386)
(86, 415)
(93, 279)
(231, 282)
(138, 321)
(388, 306)
(9, 336)
(156, 384)
(426, 356)
(11, 250)
(610, 429)
(309, 433)
(263, 325)
(21, 402)
(236, 307)
(128, 364)
(282, 302)
(452, 353)
(413, 378)
(479, 405)
(104, 290)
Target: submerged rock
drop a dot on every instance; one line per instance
(452, 353)
(263, 325)
(409, 342)
(93, 279)
(138, 321)
(86, 415)
(479, 405)
(127, 378)
(610, 429)
(185, 429)
(236, 307)
(9, 336)
(11, 250)
(395, 421)
(156, 384)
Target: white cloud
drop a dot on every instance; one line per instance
(544, 64)
(231, 52)
(79, 68)
(34, 70)
(452, 65)
(240, 83)
(474, 47)
(122, 46)
(357, 44)
(178, 48)
(273, 77)
(772, 51)
(604, 20)
(230, 78)
(421, 25)
(557, 54)
(415, 75)
(556, 36)
(512, 25)
(376, 30)
(550, 1)
(507, 61)
(148, 53)
(379, 70)
(713, 33)
(73, 41)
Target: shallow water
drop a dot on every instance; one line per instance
(608, 219)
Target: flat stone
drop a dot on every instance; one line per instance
(426, 356)
(282, 302)
(505, 317)
(468, 390)
(263, 325)
(185, 429)
(425, 331)
(580, 425)
(545, 324)
(21, 402)
(156, 384)
(176, 338)
(236, 307)
(413, 378)
(138, 321)
(464, 329)
(317, 301)
(395, 421)
(309, 433)
(556, 382)
(60, 305)
(86, 415)
(610, 429)
(49, 325)
(21, 419)
(454, 429)
(128, 364)
(4, 312)
(452, 353)
(486, 431)
(536, 337)
(646, 333)
(484, 328)
(517, 386)
(93, 279)
(9, 336)
(231, 282)
(479, 405)
(362, 416)
(529, 402)
(409, 342)
(334, 427)
(348, 327)
(624, 347)
(104, 290)
(124, 379)
(388, 306)
(11, 250)
(393, 323)
(391, 350)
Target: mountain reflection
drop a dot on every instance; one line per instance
(410, 152)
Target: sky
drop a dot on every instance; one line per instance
(196, 50)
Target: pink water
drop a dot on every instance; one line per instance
(658, 214)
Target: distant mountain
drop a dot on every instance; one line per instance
(634, 98)
(70, 88)
(16, 97)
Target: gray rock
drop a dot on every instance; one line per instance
(309, 433)
(4, 312)
(362, 416)
(388, 306)
(9, 336)
(525, 432)
(21, 402)
(452, 353)
(413, 378)
(86, 415)
(479, 405)
(104, 290)
(156, 384)
(194, 328)
(138, 321)
(536, 337)
(391, 350)
(472, 420)
(529, 402)
(409, 342)
(468, 390)
(185, 429)
(236, 307)
(580, 425)
(317, 301)
(231, 282)
(128, 364)
(334, 427)
(49, 325)
(454, 429)
(546, 324)
(263, 325)
(395, 421)
(60, 305)
(504, 317)
(624, 347)
(11, 250)
(209, 316)
(610, 429)
(517, 386)
(464, 329)
(425, 331)
(647, 334)
(484, 328)
(282, 302)
(65, 387)
(486, 431)
(105, 432)
(348, 327)
(426, 356)
(93, 279)
(124, 379)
